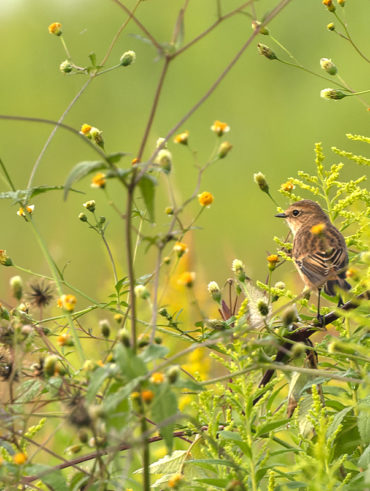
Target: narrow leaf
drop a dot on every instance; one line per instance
(81, 170)
(147, 187)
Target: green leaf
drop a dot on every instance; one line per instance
(267, 427)
(113, 158)
(92, 57)
(131, 366)
(147, 187)
(169, 464)
(25, 194)
(237, 439)
(164, 406)
(189, 384)
(96, 381)
(364, 420)
(54, 479)
(364, 460)
(208, 462)
(81, 170)
(153, 352)
(120, 283)
(338, 418)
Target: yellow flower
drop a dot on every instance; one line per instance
(206, 198)
(272, 260)
(329, 4)
(5, 259)
(67, 302)
(174, 480)
(157, 378)
(182, 138)
(134, 161)
(99, 180)
(220, 128)
(85, 129)
(21, 212)
(318, 229)
(55, 28)
(180, 249)
(287, 186)
(147, 396)
(135, 395)
(19, 458)
(186, 279)
(65, 340)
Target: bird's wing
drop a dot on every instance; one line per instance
(322, 266)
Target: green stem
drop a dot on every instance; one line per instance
(312, 73)
(349, 38)
(58, 283)
(65, 47)
(10, 182)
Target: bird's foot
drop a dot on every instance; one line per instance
(320, 321)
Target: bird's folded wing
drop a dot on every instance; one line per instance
(322, 266)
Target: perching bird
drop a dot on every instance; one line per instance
(319, 250)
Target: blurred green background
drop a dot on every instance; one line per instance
(275, 114)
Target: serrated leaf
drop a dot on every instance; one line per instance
(120, 283)
(147, 187)
(169, 464)
(81, 170)
(28, 390)
(153, 352)
(164, 406)
(54, 479)
(363, 421)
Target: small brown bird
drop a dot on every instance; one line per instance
(319, 250)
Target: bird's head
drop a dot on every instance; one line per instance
(305, 212)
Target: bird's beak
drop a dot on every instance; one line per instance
(281, 215)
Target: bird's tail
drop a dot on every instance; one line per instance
(331, 286)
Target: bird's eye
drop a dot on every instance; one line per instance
(296, 213)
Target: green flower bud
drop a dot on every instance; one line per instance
(5, 259)
(262, 30)
(224, 149)
(328, 66)
(16, 285)
(263, 308)
(266, 52)
(105, 328)
(90, 205)
(65, 67)
(142, 292)
(215, 291)
(164, 160)
(260, 179)
(173, 374)
(289, 316)
(128, 58)
(82, 217)
(332, 94)
(50, 364)
(124, 337)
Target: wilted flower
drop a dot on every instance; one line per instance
(263, 308)
(205, 198)
(262, 30)
(220, 128)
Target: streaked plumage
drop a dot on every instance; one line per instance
(319, 253)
